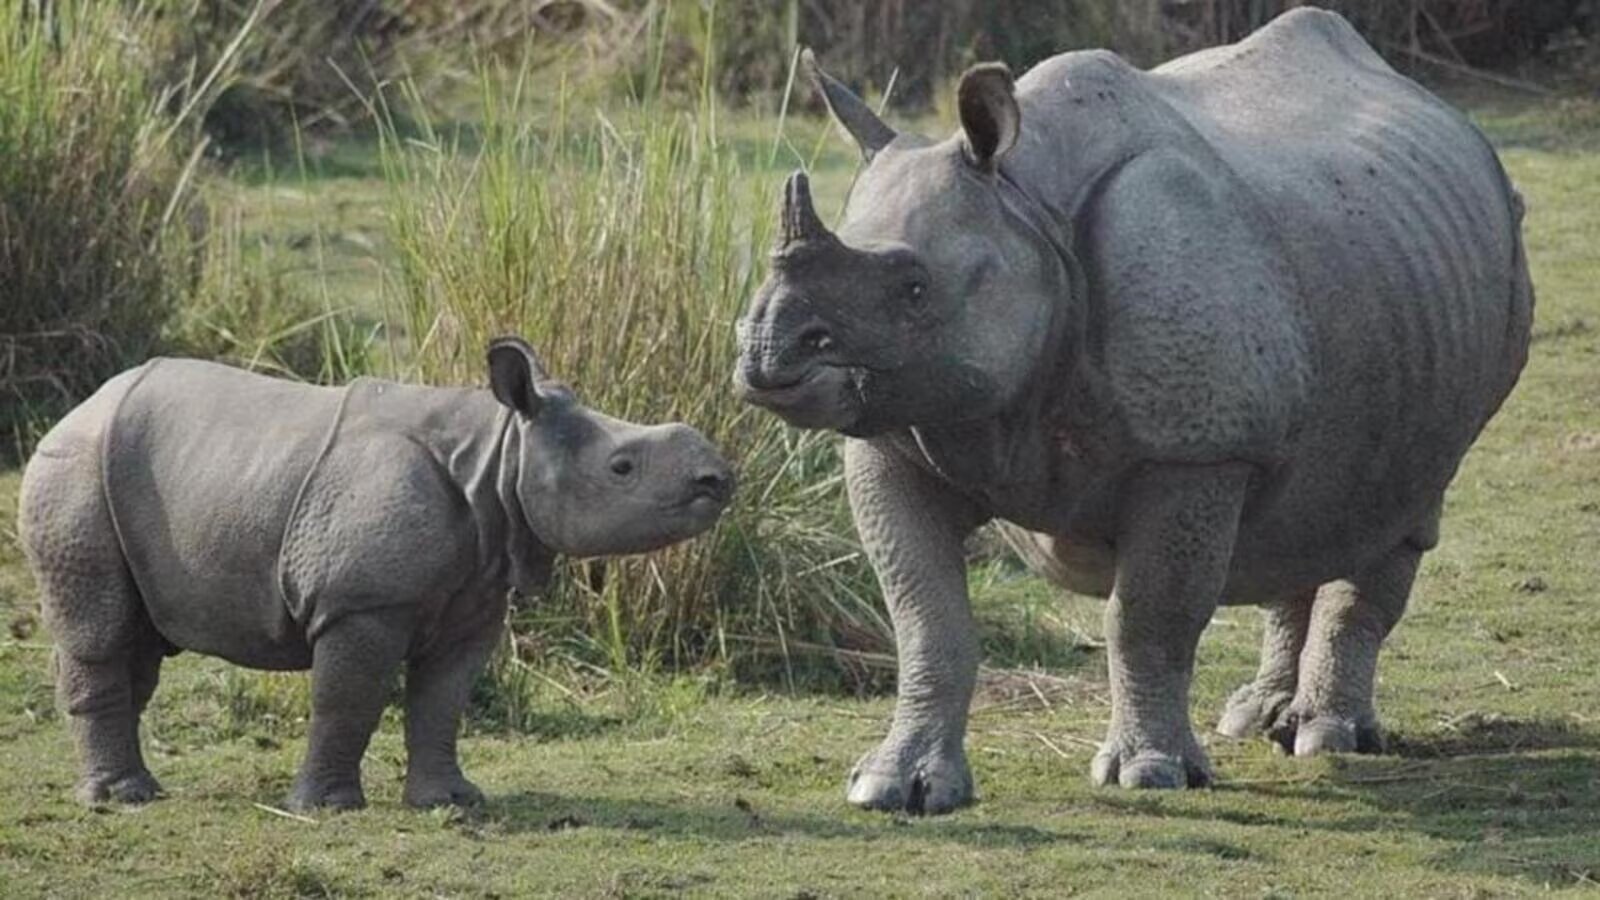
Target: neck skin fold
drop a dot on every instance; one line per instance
(484, 459)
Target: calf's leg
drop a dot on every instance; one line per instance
(438, 686)
(353, 664)
(102, 633)
(97, 695)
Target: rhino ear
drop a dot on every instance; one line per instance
(989, 114)
(869, 131)
(514, 374)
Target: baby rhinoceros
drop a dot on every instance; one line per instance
(191, 506)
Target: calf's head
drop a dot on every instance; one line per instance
(933, 302)
(591, 485)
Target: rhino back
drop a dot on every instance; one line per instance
(381, 522)
(1404, 235)
(1391, 206)
(1381, 224)
(202, 466)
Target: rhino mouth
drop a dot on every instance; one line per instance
(820, 398)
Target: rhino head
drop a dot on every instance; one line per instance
(934, 301)
(592, 485)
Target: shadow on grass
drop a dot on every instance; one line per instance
(741, 820)
(1518, 798)
(1479, 734)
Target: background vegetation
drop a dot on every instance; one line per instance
(327, 190)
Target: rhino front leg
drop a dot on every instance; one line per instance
(438, 686)
(1333, 710)
(913, 530)
(1258, 706)
(1173, 551)
(353, 664)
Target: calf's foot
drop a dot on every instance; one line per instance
(311, 793)
(130, 787)
(424, 792)
(912, 777)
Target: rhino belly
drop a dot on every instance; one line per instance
(203, 464)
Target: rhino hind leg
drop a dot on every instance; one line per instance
(107, 651)
(1333, 708)
(1173, 554)
(100, 699)
(1259, 706)
(354, 661)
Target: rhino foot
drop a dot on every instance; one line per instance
(309, 796)
(445, 791)
(1123, 763)
(1309, 735)
(894, 780)
(1253, 710)
(137, 787)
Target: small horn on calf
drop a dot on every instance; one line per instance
(800, 220)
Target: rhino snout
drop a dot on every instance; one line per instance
(713, 482)
(771, 359)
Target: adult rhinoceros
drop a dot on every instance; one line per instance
(1217, 332)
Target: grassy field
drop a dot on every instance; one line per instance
(698, 784)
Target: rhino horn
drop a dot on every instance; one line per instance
(800, 221)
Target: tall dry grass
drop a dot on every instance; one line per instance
(99, 219)
(624, 245)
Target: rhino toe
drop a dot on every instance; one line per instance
(1149, 770)
(1303, 734)
(1331, 734)
(931, 785)
(1252, 710)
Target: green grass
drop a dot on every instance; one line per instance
(629, 785)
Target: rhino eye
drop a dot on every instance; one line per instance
(914, 293)
(622, 466)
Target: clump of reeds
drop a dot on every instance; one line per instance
(97, 200)
(624, 247)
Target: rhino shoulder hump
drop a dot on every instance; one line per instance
(1201, 350)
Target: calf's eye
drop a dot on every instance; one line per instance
(621, 466)
(914, 292)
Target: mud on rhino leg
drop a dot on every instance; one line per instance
(1173, 552)
(1257, 706)
(1332, 709)
(438, 686)
(912, 531)
(353, 664)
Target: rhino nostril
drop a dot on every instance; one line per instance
(817, 339)
(713, 482)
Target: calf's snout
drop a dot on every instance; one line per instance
(716, 482)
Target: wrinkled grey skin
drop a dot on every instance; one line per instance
(190, 506)
(1216, 333)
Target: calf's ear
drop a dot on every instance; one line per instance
(514, 373)
(989, 114)
(869, 131)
